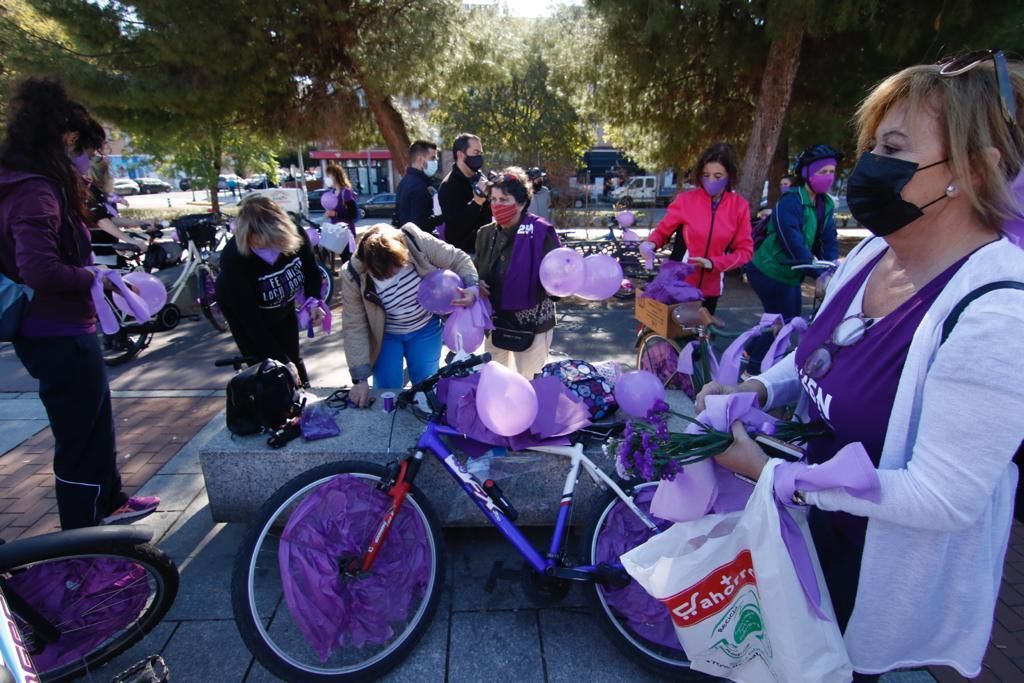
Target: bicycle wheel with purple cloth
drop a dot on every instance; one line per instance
(638, 624)
(77, 610)
(660, 355)
(305, 608)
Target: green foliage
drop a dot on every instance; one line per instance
(515, 87)
(674, 77)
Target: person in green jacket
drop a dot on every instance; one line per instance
(801, 229)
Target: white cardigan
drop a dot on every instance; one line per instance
(935, 544)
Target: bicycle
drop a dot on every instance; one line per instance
(201, 236)
(324, 258)
(74, 600)
(341, 570)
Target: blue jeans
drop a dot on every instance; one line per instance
(421, 351)
(776, 297)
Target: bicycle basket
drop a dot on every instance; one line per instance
(626, 253)
(198, 228)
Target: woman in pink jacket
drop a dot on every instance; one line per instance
(711, 224)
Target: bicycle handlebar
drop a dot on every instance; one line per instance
(406, 397)
(813, 265)
(237, 362)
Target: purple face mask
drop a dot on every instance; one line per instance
(268, 254)
(821, 183)
(81, 163)
(714, 187)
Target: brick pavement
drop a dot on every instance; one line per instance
(150, 431)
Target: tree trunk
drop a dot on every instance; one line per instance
(392, 128)
(772, 103)
(779, 167)
(213, 166)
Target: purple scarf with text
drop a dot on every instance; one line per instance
(524, 265)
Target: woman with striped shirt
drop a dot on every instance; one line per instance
(383, 324)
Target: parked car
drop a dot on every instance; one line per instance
(313, 199)
(152, 185)
(185, 184)
(842, 215)
(258, 182)
(125, 186)
(381, 205)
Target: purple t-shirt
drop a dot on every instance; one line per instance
(855, 396)
(341, 212)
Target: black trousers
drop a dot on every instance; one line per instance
(74, 390)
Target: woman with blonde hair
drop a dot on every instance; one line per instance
(263, 268)
(383, 323)
(914, 359)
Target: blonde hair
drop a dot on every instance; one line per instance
(339, 176)
(260, 219)
(100, 171)
(382, 250)
(969, 111)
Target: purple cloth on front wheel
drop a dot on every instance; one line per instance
(559, 412)
(670, 286)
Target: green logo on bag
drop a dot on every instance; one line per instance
(741, 635)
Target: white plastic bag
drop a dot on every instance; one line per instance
(735, 599)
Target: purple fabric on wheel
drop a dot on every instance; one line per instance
(622, 531)
(331, 527)
(89, 598)
(669, 286)
(728, 371)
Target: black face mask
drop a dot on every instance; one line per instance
(873, 193)
(475, 163)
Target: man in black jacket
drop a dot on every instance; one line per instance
(464, 211)
(413, 201)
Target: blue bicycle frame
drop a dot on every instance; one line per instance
(430, 440)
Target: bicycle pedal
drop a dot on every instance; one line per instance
(498, 572)
(152, 669)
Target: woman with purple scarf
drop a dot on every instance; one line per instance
(508, 256)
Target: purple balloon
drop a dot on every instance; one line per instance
(150, 289)
(602, 277)
(637, 391)
(561, 271)
(314, 236)
(329, 200)
(437, 291)
(460, 326)
(625, 219)
(506, 402)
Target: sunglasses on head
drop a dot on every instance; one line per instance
(961, 64)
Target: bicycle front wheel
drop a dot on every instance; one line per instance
(123, 345)
(637, 624)
(660, 355)
(77, 611)
(206, 280)
(303, 606)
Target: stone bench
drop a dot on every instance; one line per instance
(242, 472)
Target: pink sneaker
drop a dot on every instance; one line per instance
(134, 508)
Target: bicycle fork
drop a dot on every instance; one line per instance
(397, 490)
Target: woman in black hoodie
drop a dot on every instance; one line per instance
(264, 267)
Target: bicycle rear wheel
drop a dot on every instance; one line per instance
(100, 601)
(302, 611)
(638, 625)
(660, 355)
(206, 279)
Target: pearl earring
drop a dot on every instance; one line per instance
(951, 190)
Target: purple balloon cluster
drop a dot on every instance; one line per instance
(565, 272)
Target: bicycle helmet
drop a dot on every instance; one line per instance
(534, 173)
(816, 153)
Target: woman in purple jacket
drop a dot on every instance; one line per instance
(44, 243)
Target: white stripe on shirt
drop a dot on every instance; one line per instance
(398, 294)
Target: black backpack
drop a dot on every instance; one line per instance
(262, 397)
(759, 231)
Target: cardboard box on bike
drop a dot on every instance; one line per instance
(658, 316)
